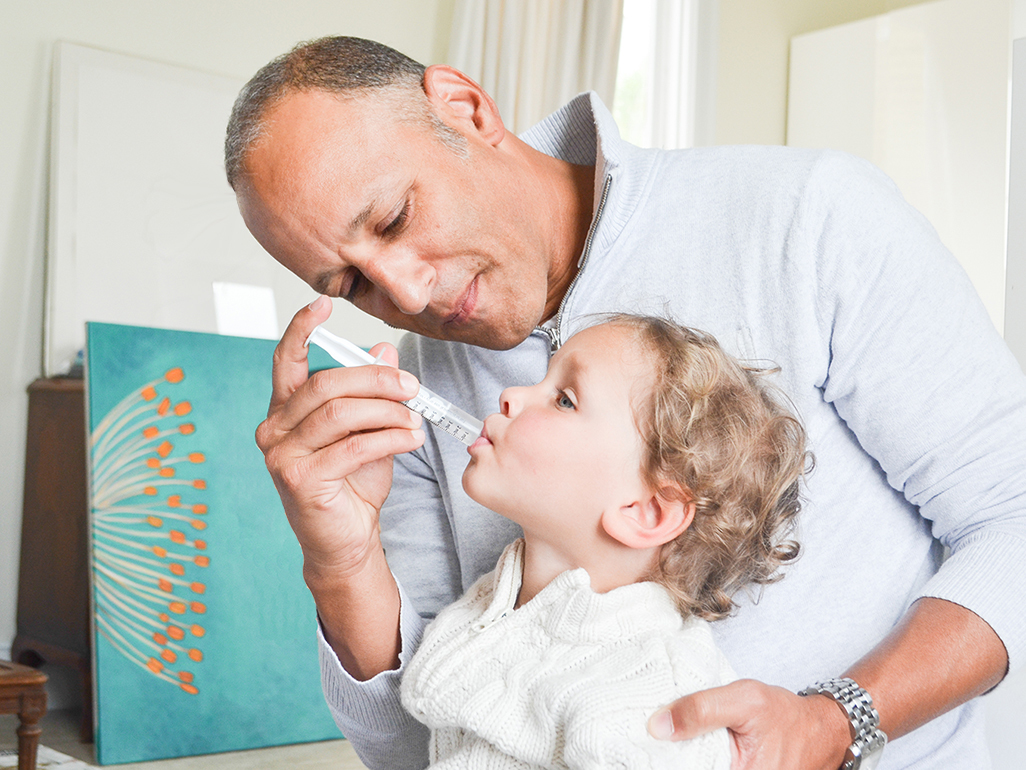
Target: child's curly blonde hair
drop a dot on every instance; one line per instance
(713, 428)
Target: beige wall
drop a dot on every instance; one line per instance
(751, 70)
(229, 37)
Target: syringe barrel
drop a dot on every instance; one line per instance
(433, 407)
(451, 419)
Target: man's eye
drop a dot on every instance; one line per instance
(396, 225)
(355, 286)
(563, 401)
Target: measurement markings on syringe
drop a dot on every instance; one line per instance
(438, 418)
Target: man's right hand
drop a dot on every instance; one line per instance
(328, 442)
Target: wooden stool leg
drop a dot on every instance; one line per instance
(33, 707)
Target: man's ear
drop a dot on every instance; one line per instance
(651, 521)
(455, 97)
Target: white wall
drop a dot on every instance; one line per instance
(922, 93)
(751, 68)
(229, 37)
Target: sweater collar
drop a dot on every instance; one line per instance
(570, 610)
(582, 132)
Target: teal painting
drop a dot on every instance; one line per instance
(205, 634)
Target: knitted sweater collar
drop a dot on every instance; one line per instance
(570, 610)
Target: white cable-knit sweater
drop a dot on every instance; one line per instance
(568, 680)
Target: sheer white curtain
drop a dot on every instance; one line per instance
(666, 73)
(532, 56)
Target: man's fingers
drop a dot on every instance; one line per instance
(386, 353)
(290, 366)
(340, 384)
(338, 418)
(340, 459)
(730, 706)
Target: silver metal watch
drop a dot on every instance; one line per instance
(867, 739)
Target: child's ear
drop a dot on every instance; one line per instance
(456, 98)
(655, 519)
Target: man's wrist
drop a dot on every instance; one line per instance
(359, 616)
(831, 734)
(855, 704)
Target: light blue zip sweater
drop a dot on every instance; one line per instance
(915, 409)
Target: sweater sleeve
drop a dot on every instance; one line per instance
(370, 713)
(418, 549)
(920, 375)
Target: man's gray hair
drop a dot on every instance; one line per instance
(348, 66)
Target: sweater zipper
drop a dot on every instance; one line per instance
(553, 332)
(484, 625)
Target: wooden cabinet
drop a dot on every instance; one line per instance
(53, 581)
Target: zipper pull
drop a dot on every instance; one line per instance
(553, 336)
(484, 625)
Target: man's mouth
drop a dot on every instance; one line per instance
(465, 306)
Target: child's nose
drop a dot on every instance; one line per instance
(511, 401)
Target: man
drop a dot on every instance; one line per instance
(399, 189)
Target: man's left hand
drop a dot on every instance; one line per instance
(770, 727)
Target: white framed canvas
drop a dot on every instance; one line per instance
(142, 220)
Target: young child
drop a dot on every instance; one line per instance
(653, 477)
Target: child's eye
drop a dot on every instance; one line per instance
(563, 401)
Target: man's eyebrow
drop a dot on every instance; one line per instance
(361, 219)
(322, 282)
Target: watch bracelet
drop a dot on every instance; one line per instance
(863, 718)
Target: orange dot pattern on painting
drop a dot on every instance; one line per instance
(146, 495)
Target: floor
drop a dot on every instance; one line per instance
(60, 732)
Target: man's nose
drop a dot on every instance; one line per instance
(405, 278)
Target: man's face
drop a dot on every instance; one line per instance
(365, 206)
(560, 453)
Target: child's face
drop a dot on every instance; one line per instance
(559, 453)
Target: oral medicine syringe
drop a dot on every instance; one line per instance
(435, 409)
